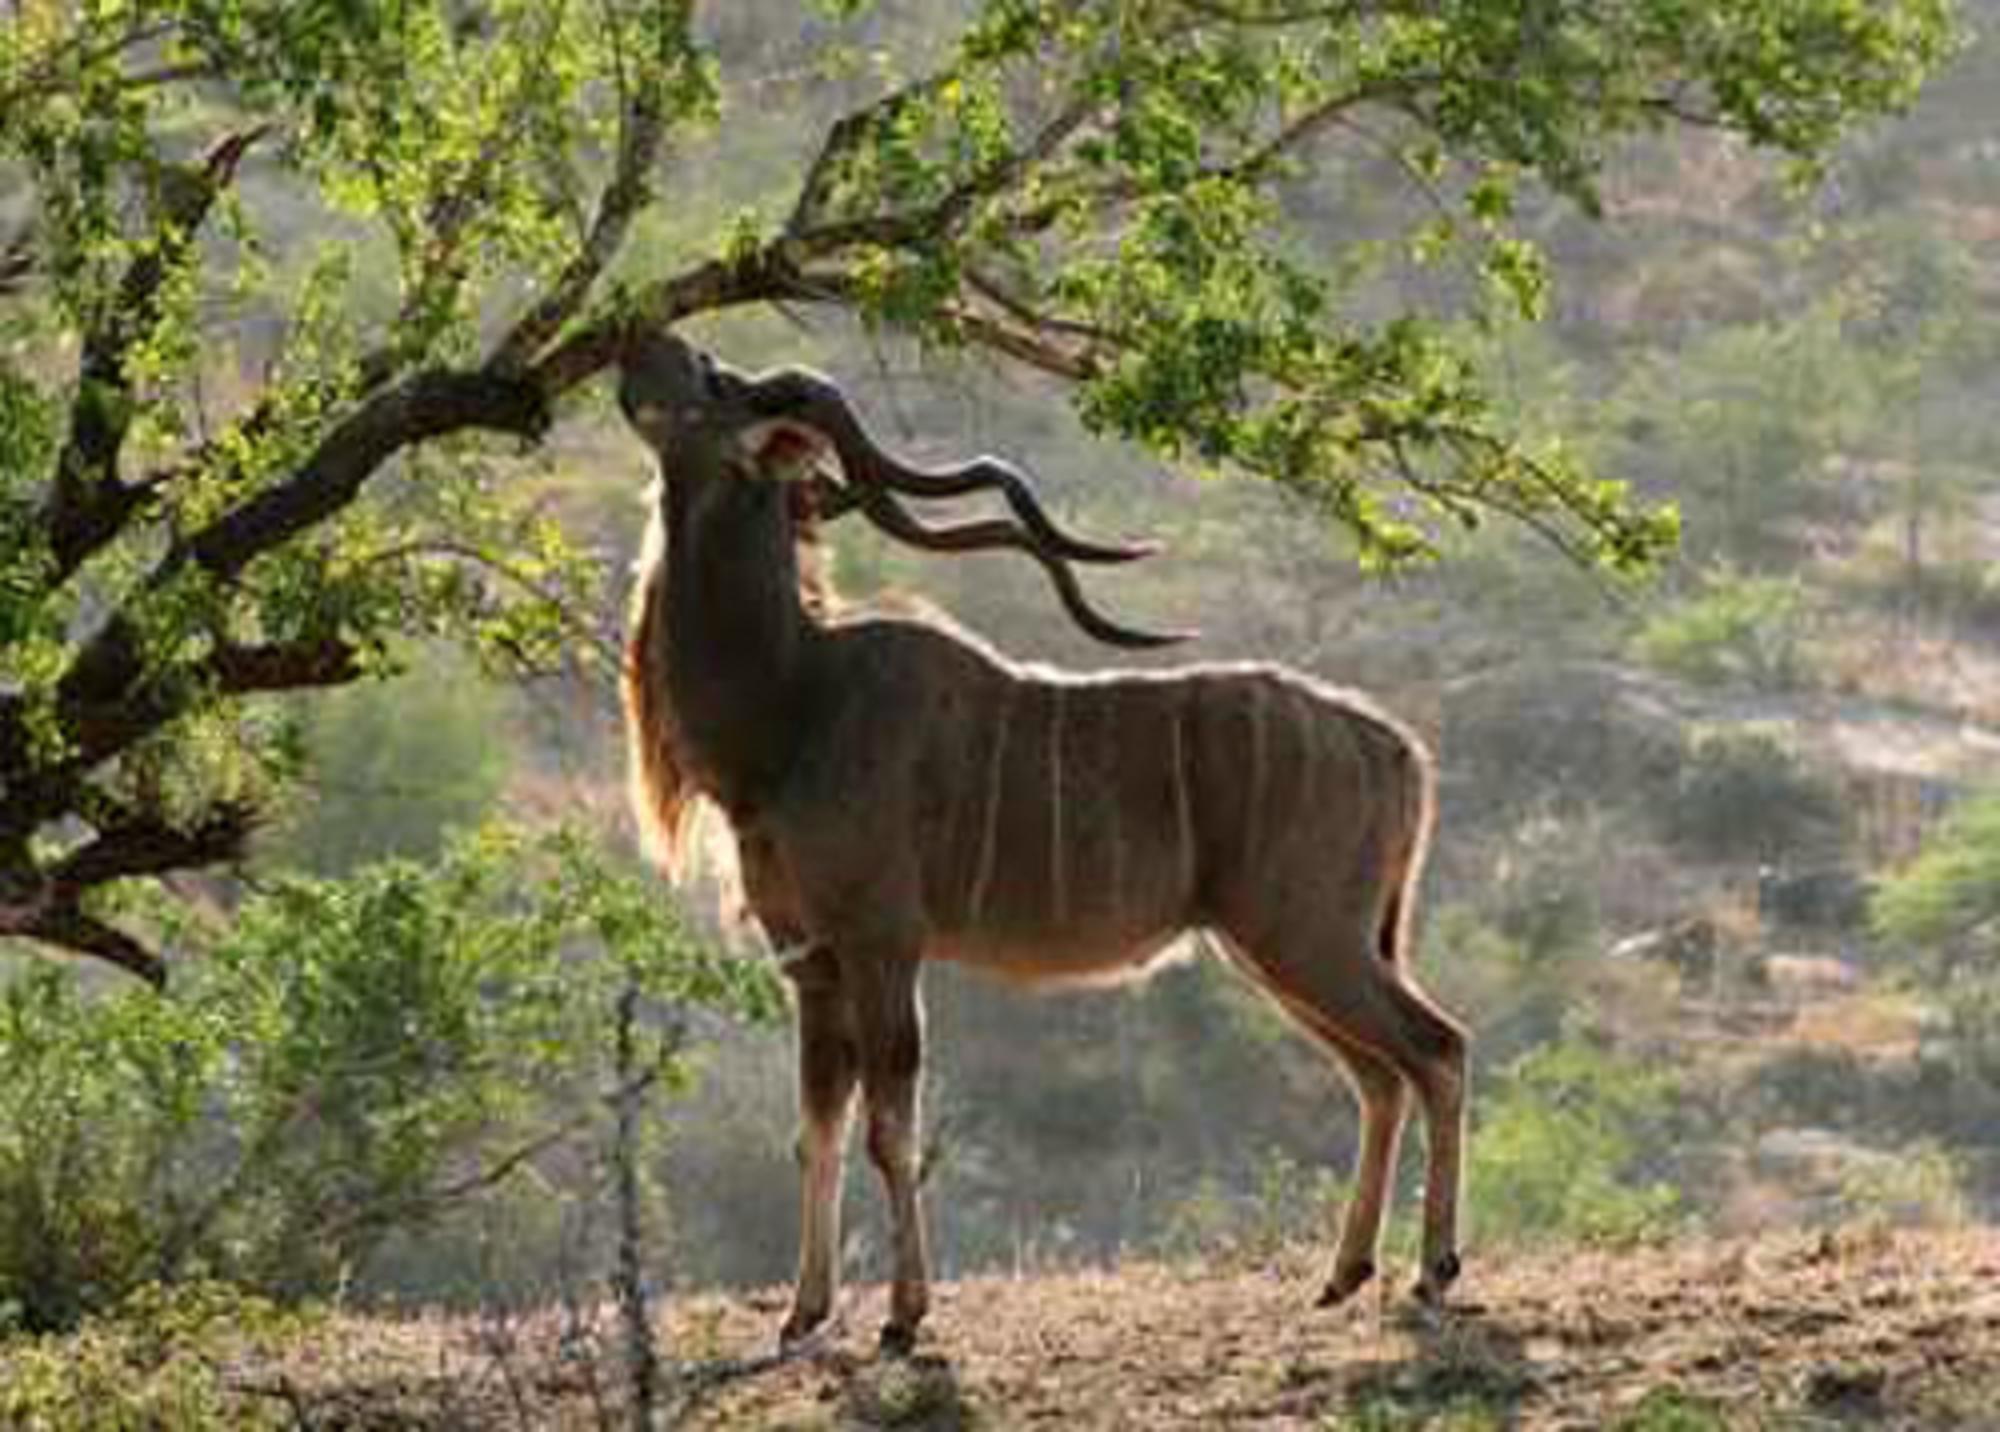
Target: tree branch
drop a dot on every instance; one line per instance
(144, 844)
(941, 218)
(285, 666)
(606, 650)
(429, 1200)
(87, 505)
(429, 404)
(1037, 344)
(641, 137)
(764, 275)
(34, 78)
(65, 925)
(17, 259)
(843, 136)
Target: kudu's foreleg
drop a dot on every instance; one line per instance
(889, 1020)
(829, 1070)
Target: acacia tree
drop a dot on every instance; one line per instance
(1098, 189)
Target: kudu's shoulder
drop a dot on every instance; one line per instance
(901, 658)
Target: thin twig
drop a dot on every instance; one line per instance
(601, 646)
(642, 1355)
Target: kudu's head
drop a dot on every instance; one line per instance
(698, 415)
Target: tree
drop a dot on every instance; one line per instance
(275, 274)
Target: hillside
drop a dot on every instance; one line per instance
(1864, 1328)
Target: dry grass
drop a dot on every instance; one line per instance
(1861, 1329)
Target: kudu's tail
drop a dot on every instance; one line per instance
(1419, 814)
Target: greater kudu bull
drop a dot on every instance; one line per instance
(899, 793)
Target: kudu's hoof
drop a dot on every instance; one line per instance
(1344, 1284)
(898, 1339)
(1430, 1289)
(800, 1330)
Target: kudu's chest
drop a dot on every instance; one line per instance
(738, 738)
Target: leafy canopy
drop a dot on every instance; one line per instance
(269, 270)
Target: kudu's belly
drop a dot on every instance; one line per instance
(1066, 957)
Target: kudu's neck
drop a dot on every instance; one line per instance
(737, 634)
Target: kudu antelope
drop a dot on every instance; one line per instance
(899, 793)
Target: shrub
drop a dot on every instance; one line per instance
(1671, 1409)
(1746, 796)
(1557, 1153)
(351, 1057)
(1734, 631)
(395, 765)
(1922, 1186)
(1947, 900)
(1286, 1205)
(160, 1359)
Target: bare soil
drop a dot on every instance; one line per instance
(1863, 1329)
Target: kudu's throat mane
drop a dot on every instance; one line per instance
(663, 794)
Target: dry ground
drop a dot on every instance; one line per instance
(1858, 1329)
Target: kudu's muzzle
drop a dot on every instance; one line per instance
(664, 384)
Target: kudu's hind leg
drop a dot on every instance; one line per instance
(1439, 1075)
(829, 1069)
(890, 1022)
(1357, 998)
(1383, 1095)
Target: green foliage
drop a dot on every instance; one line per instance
(1286, 1206)
(1670, 1409)
(393, 767)
(1388, 1413)
(1942, 905)
(1922, 1185)
(160, 1359)
(1733, 631)
(1972, 1027)
(346, 1059)
(1749, 796)
(1743, 420)
(1556, 1154)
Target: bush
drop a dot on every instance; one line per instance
(394, 765)
(1746, 796)
(1288, 1204)
(1557, 1153)
(1735, 631)
(1922, 1186)
(1947, 900)
(160, 1359)
(350, 1058)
